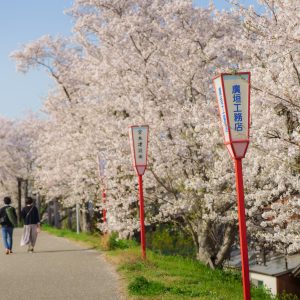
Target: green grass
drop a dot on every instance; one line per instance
(174, 277)
(165, 277)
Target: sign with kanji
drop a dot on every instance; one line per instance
(233, 95)
(101, 164)
(222, 108)
(139, 147)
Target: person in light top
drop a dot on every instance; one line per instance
(31, 219)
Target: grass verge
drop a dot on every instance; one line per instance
(165, 277)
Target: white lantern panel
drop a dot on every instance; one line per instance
(139, 144)
(102, 164)
(237, 99)
(222, 108)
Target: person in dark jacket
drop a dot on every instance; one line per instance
(31, 219)
(7, 225)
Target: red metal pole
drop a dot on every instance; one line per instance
(142, 217)
(104, 210)
(242, 227)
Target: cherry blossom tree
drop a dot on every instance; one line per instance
(270, 44)
(17, 158)
(161, 64)
(151, 62)
(66, 152)
(140, 62)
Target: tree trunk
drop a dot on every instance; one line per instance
(215, 242)
(78, 218)
(70, 215)
(49, 210)
(84, 219)
(56, 214)
(38, 202)
(19, 198)
(26, 189)
(204, 254)
(228, 240)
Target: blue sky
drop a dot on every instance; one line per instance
(23, 21)
(223, 4)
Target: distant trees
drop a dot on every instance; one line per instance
(17, 159)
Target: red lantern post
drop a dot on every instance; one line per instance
(139, 149)
(102, 164)
(233, 95)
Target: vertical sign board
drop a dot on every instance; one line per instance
(139, 149)
(101, 165)
(233, 95)
(222, 108)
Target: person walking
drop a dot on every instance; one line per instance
(31, 219)
(8, 219)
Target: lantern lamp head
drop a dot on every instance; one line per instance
(233, 95)
(139, 147)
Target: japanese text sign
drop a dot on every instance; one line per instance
(222, 108)
(101, 164)
(233, 98)
(233, 95)
(139, 147)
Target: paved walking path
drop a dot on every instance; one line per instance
(59, 269)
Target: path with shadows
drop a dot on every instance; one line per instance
(58, 269)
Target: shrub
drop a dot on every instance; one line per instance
(141, 286)
(286, 296)
(169, 239)
(115, 243)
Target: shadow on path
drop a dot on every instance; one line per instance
(55, 251)
(58, 269)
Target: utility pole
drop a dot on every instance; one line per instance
(77, 218)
